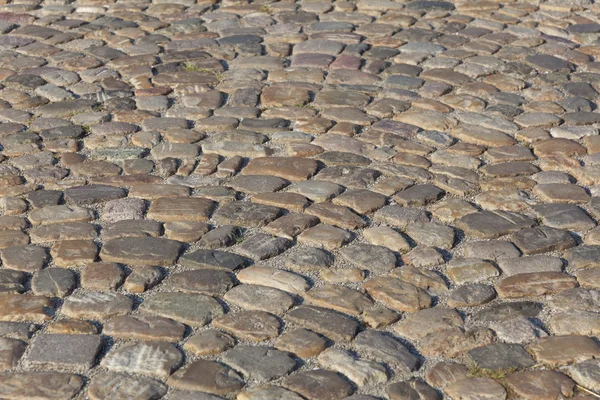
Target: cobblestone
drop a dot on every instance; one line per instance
(330, 200)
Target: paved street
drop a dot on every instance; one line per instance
(299, 200)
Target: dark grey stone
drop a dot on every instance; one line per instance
(501, 356)
(259, 363)
(213, 259)
(65, 351)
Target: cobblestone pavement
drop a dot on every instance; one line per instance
(319, 200)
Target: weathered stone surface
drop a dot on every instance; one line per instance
(17, 307)
(494, 250)
(354, 176)
(142, 279)
(454, 341)
(156, 359)
(254, 326)
(423, 257)
(291, 225)
(361, 372)
(209, 342)
(419, 195)
(479, 135)
(207, 376)
(268, 393)
(467, 270)
(535, 284)
(149, 191)
(204, 281)
(107, 385)
(11, 351)
(387, 237)
(72, 253)
(101, 276)
(294, 169)
(9, 238)
(422, 323)
(561, 193)
(586, 374)
(542, 239)
(411, 388)
(326, 236)
(339, 216)
(191, 309)
(564, 216)
(223, 236)
(28, 258)
(400, 217)
(60, 214)
(329, 323)
(306, 259)
(537, 263)
(490, 225)
(506, 311)
(91, 194)
(582, 257)
(246, 214)
(501, 356)
(471, 295)
(96, 305)
(292, 201)
(361, 201)
(258, 183)
(563, 350)
(432, 234)
(259, 363)
(42, 385)
(518, 330)
(276, 278)
(576, 299)
(72, 326)
(397, 294)
(53, 282)
(339, 298)
(472, 388)
(141, 251)
(540, 384)
(575, 323)
(180, 209)
(262, 298)
(213, 259)
(260, 246)
(132, 228)
(444, 373)
(12, 281)
(142, 327)
(302, 342)
(66, 351)
(319, 384)
(380, 347)
(374, 258)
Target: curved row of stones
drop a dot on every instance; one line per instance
(314, 200)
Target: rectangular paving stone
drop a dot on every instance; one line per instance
(65, 351)
(39, 385)
(330, 323)
(294, 169)
(60, 214)
(141, 251)
(181, 209)
(150, 191)
(20, 307)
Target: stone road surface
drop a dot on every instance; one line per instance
(287, 200)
